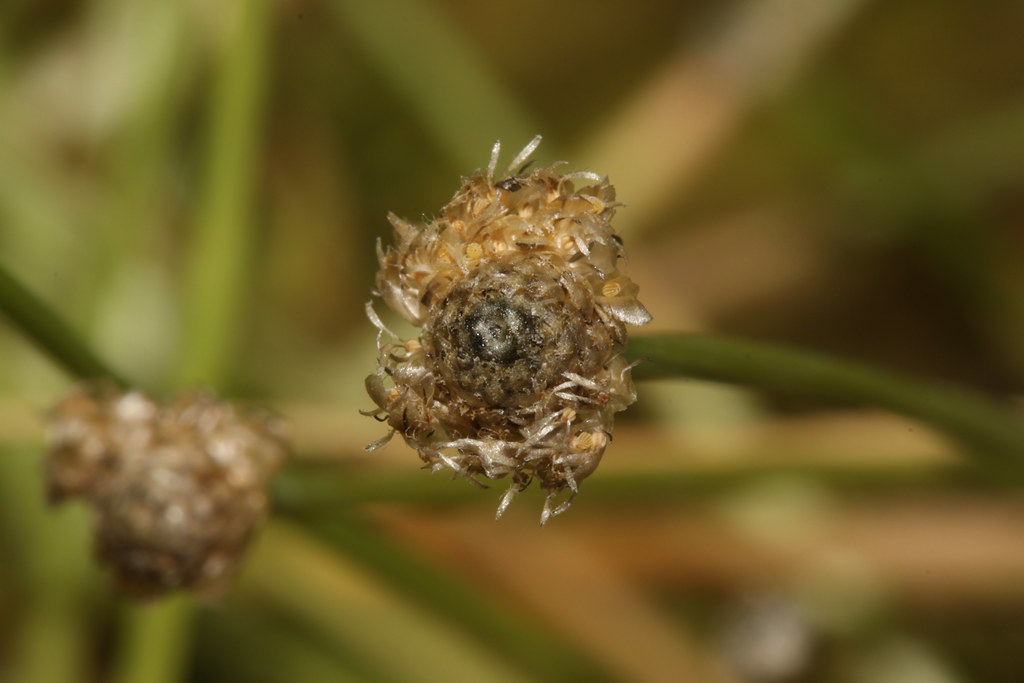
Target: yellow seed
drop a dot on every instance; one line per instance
(581, 442)
(565, 242)
(611, 288)
(474, 250)
(481, 203)
(588, 441)
(413, 345)
(442, 253)
(577, 205)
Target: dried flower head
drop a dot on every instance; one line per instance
(177, 490)
(519, 288)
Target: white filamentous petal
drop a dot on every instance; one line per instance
(492, 164)
(377, 322)
(380, 442)
(585, 175)
(524, 154)
(582, 381)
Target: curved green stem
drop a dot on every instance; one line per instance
(37, 321)
(985, 428)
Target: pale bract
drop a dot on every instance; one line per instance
(519, 290)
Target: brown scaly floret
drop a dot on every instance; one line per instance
(177, 489)
(519, 290)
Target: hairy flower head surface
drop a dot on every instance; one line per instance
(519, 290)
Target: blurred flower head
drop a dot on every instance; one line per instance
(176, 489)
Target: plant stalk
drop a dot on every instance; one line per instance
(985, 429)
(49, 332)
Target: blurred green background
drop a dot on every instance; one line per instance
(197, 187)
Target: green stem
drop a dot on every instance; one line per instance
(986, 429)
(37, 321)
(429, 63)
(50, 573)
(155, 641)
(311, 494)
(219, 261)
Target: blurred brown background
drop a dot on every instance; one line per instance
(841, 175)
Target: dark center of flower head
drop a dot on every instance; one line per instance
(499, 331)
(504, 335)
